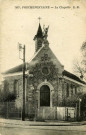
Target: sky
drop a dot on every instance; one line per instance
(19, 23)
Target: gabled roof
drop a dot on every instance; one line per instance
(16, 69)
(19, 68)
(45, 49)
(36, 57)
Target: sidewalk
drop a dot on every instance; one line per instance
(4, 122)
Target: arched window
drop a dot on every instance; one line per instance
(67, 91)
(16, 88)
(44, 96)
(76, 90)
(71, 89)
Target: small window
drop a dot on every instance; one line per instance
(75, 90)
(67, 91)
(45, 70)
(71, 89)
(6, 86)
(16, 87)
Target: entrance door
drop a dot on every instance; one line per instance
(45, 111)
(44, 96)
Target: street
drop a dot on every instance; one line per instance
(42, 130)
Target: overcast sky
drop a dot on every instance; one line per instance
(67, 30)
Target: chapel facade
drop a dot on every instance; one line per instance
(50, 91)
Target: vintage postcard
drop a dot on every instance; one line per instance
(42, 67)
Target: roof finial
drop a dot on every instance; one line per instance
(39, 19)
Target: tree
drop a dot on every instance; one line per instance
(80, 65)
(78, 69)
(83, 50)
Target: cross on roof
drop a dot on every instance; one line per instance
(39, 19)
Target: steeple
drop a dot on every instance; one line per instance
(39, 33)
(38, 38)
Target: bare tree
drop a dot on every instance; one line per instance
(83, 51)
(79, 66)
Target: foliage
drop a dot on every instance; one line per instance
(5, 95)
(83, 103)
(71, 101)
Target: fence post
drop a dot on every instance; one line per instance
(76, 112)
(7, 110)
(67, 114)
(21, 113)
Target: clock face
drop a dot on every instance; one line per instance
(45, 70)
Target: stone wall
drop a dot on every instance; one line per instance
(32, 93)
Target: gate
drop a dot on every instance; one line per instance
(46, 113)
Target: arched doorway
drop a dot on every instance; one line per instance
(44, 96)
(45, 109)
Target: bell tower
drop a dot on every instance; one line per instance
(41, 37)
(38, 37)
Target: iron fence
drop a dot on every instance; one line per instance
(9, 110)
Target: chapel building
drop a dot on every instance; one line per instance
(50, 91)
